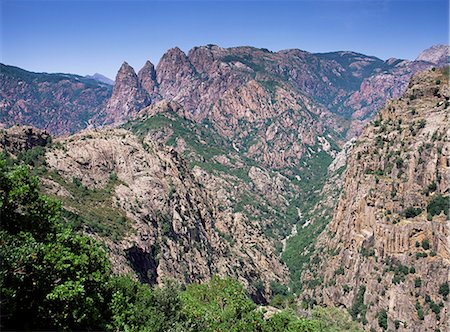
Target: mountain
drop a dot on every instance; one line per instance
(228, 87)
(127, 97)
(101, 78)
(385, 254)
(346, 83)
(437, 54)
(59, 103)
(238, 161)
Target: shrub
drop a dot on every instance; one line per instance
(358, 309)
(382, 319)
(278, 289)
(419, 311)
(425, 244)
(412, 212)
(418, 282)
(444, 290)
(49, 274)
(437, 205)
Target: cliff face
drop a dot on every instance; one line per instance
(58, 103)
(385, 255)
(166, 221)
(128, 97)
(272, 105)
(437, 54)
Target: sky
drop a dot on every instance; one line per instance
(85, 37)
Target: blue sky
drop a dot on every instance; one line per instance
(86, 36)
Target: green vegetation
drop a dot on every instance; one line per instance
(92, 209)
(358, 310)
(299, 250)
(382, 319)
(419, 310)
(412, 212)
(400, 271)
(425, 244)
(444, 290)
(418, 282)
(437, 205)
(52, 278)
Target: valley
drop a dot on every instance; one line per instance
(313, 179)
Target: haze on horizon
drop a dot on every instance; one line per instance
(84, 37)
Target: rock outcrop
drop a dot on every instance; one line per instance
(128, 97)
(177, 228)
(437, 54)
(385, 255)
(18, 139)
(147, 78)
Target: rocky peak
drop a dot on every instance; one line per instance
(147, 78)
(173, 59)
(126, 74)
(128, 96)
(437, 54)
(175, 74)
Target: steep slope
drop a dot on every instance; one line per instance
(127, 98)
(150, 209)
(58, 103)
(202, 78)
(437, 54)
(385, 255)
(226, 87)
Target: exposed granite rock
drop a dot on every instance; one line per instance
(21, 138)
(147, 78)
(377, 253)
(179, 231)
(128, 96)
(437, 54)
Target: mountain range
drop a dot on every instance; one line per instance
(324, 176)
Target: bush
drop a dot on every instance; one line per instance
(437, 205)
(278, 289)
(358, 309)
(425, 244)
(444, 290)
(52, 276)
(382, 319)
(417, 282)
(419, 311)
(412, 212)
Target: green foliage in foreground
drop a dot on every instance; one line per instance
(52, 278)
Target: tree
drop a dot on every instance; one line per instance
(50, 277)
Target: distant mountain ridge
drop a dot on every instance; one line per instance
(206, 81)
(101, 78)
(59, 103)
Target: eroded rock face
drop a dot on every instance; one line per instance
(17, 139)
(128, 96)
(147, 79)
(384, 249)
(178, 230)
(274, 105)
(437, 54)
